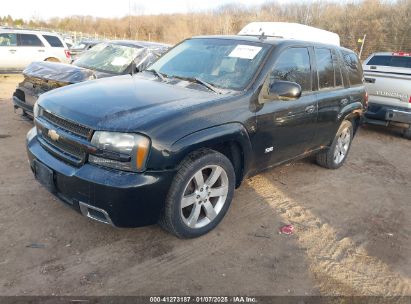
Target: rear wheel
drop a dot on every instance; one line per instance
(407, 133)
(200, 194)
(52, 59)
(335, 156)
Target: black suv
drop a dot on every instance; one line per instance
(169, 145)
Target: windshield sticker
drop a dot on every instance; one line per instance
(119, 61)
(245, 51)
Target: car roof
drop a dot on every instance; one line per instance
(274, 41)
(139, 44)
(24, 31)
(86, 41)
(382, 54)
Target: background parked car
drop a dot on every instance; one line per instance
(18, 48)
(103, 60)
(79, 48)
(388, 83)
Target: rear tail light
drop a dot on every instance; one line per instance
(68, 54)
(409, 100)
(401, 54)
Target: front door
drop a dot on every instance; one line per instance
(285, 128)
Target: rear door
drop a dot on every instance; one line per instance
(331, 93)
(285, 129)
(8, 51)
(30, 48)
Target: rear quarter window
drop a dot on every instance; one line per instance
(354, 68)
(391, 61)
(54, 41)
(29, 40)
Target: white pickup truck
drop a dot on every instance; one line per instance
(388, 84)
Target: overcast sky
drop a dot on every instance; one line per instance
(46, 9)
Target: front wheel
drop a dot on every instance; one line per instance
(335, 156)
(200, 194)
(407, 133)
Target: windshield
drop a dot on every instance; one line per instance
(223, 63)
(79, 46)
(105, 57)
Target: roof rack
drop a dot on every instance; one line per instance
(25, 29)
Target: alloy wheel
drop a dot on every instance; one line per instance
(204, 196)
(342, 146)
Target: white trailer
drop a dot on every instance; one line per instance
(290, 31)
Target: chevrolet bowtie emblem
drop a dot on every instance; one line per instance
(53, 135)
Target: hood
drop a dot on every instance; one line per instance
(60, 72)
(123, 103)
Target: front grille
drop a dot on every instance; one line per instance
(64, 147)
(20, 95)
(68, 145)
(68, 125)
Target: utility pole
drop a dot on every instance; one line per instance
(362, 45)
(129, 19)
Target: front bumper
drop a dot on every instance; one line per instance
(385, 115)
(18, 103)
(123, 199)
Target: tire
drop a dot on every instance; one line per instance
(52, 59)
(335, 156)
(203, 209)
(407, 133)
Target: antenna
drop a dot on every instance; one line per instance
(262, 36)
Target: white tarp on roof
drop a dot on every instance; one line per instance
(290, 31)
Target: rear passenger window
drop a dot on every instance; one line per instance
(393, 61)
(354, 68)
(54, 41)
(293, 65)
(8, 39)
(29, 40)
(325, 68)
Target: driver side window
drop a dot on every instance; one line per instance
(293, 65)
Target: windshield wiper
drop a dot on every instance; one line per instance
(157, 73)
(200, 81)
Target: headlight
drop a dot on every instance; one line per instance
(123, 151)
(36, 110)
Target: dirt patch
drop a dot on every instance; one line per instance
(351, 232)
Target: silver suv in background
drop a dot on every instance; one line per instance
(19, 48)
(388, 83)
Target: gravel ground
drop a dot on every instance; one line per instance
(352, 231)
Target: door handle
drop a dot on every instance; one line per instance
(310, 109)
(12, 51)
(42, 51)
(369, 80)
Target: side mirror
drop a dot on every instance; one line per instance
(284, 90)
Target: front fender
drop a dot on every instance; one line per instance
(206, 138)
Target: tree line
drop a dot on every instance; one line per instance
(386, 23)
